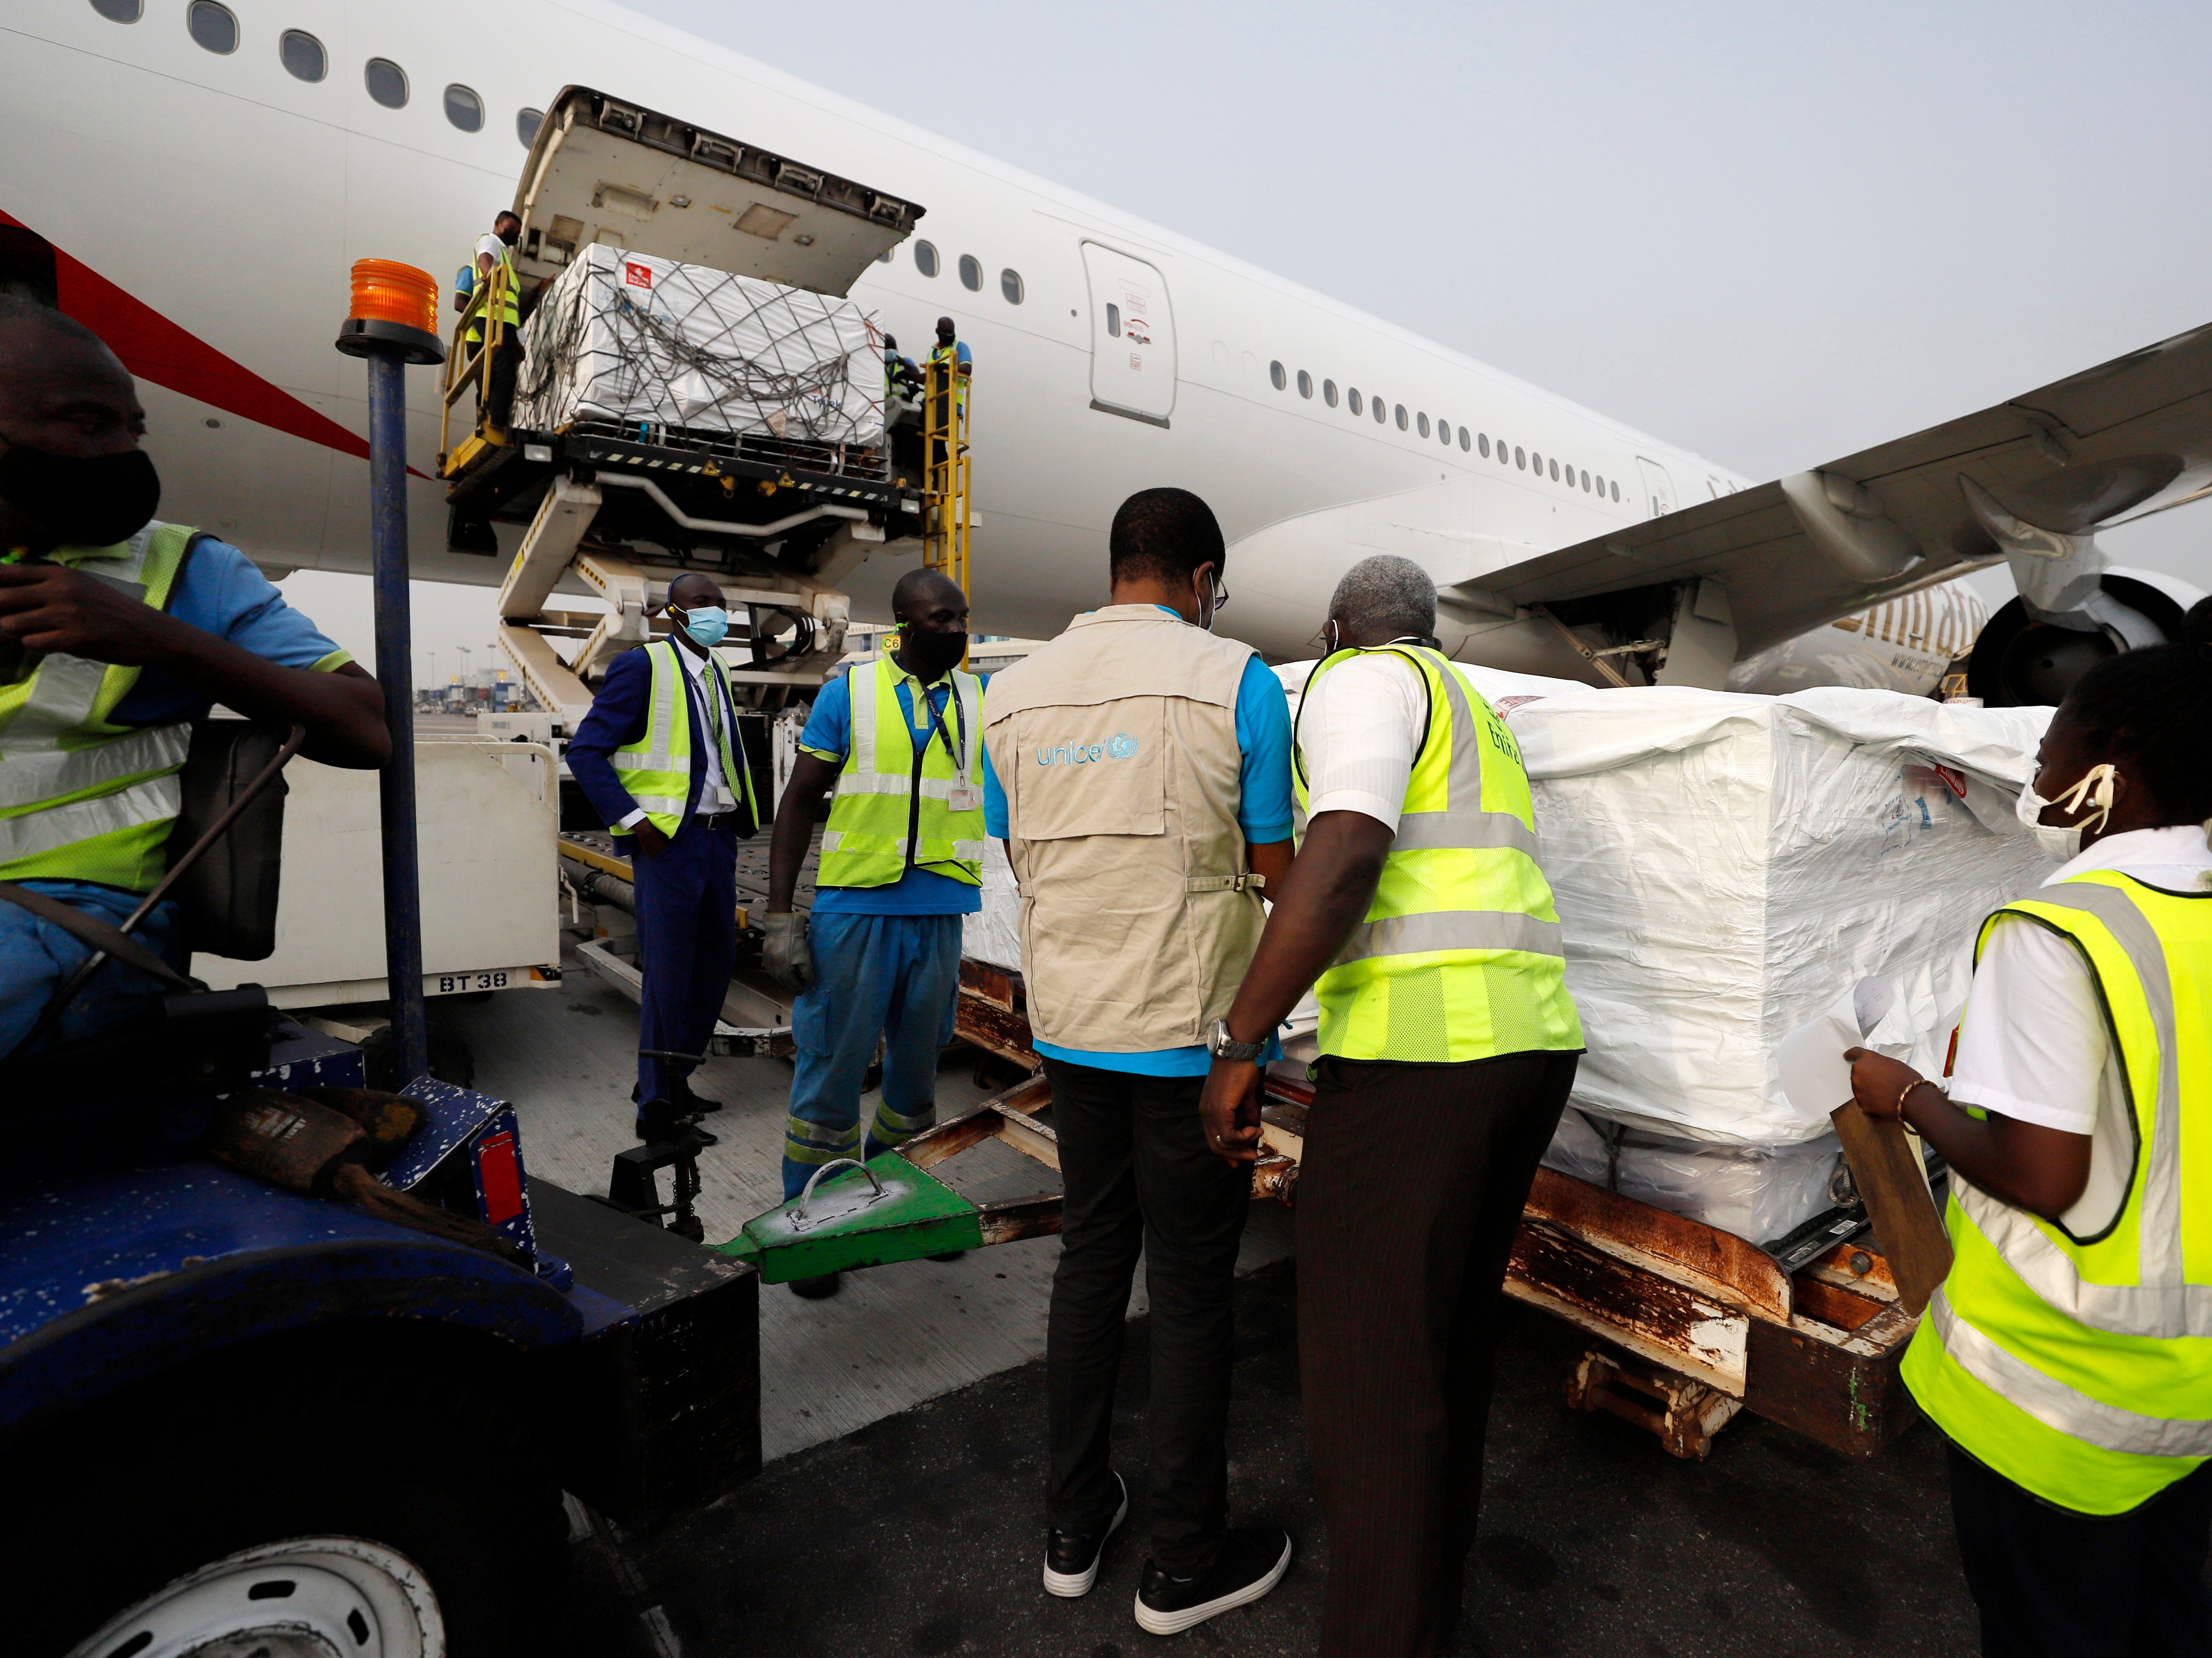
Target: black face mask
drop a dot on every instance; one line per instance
(511, 235)
(79, 501)
(929, 656)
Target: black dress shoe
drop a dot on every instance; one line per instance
(815, 1289)
(693, 1105)
(1251, 1563)
(657, 1130)
(1071, 1557)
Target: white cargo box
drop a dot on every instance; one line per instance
(649, 342)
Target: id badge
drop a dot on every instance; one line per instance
(961, 797)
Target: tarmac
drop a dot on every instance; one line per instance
(922, 1533)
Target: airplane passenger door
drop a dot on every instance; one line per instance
(1132, 357)
(1658, 486)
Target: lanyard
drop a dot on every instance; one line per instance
(937, 728)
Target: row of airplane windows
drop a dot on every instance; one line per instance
(1513, 455)
(214, 28)
(926, 261)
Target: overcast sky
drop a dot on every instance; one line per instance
(1776, 234)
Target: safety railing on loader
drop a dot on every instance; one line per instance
(468, 364)
(944, 479)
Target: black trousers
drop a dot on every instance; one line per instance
(1137, 1176)
(1412, 1181)
(506, 364)
(2052, 1583)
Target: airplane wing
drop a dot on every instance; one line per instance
(2129, 438)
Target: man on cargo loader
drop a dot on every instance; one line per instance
(1145, 799)
(1417, 912)
(116, 632)
(496, 251)
(2068, 1357)
(896, 746)
(675, 788)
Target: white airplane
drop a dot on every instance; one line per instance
(194, 179)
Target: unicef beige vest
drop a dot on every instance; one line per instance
(1115, 746)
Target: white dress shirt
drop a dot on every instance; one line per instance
(2033, 1045)
(714, 794)
(1358, 725)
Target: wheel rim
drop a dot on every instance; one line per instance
(307, 1597)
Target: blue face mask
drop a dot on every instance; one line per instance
(706, 623)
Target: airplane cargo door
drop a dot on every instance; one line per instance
(1133, 357)
(1658, 486)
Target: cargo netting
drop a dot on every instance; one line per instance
(659, 352)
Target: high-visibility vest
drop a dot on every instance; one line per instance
(656, 769)
(950, 356)
(891, 812)
(1459, 956)
(82, 798)
(2081, 1367)
(508, 307)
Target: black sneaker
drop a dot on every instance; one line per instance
(1251, 1563)
(1071, 1557)
(815, 1289)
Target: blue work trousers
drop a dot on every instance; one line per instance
(36, 956)
(896, 977)
(687, 943)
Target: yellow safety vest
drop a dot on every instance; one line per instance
(1459, 957)
(892, 810)
(656, 769)
(82, 798)
(2080, 1367)
(950, 356)
(509, 307)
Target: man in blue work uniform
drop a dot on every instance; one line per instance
(660, 759)
(116, 632)
(896, 746)
(1146, 771)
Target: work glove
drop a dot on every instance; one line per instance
(785, 952)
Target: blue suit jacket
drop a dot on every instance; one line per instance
(618, 718)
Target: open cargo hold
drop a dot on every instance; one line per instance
(652, 347)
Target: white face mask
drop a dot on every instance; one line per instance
(2064, 843)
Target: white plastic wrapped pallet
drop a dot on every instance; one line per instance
(625, 337)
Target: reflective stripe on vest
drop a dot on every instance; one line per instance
(510, 312)
(2080, 1367)
(884, 819)
(656, 769)
(1460, 955)
(81, 798)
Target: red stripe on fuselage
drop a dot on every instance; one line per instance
(153, 348)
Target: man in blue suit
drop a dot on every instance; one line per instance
(659, 759)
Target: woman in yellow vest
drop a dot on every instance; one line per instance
(2068, 1357)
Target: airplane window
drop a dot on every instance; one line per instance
(1422, 421)
(527, 121)
(1466, 442)
(1382, 414)
(925, 258)
(1328, 392)
(1536, 463)
(1601, 486)
(1352, 399)
(212, 27)
(1482, 443)
(883, 258)
(387, 83)
(464, 109)
(302, 55)
(1010, 285)
(1305, 384)
(121, 11)
(1519, 457)
(1276, 376)
(1585, 482)
(1615, 487)
(971, 273)
(1555, 471)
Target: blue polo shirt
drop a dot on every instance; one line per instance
(222, 593)
(829, 736)
(1263, 812)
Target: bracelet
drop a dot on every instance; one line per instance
(1905, 1092)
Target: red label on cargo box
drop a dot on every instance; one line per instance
(637, 276)
(499, 1177)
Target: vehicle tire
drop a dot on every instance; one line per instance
(391, 1490)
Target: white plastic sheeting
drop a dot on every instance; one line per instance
(1760, 1192)
(624, 336)
(993, 934)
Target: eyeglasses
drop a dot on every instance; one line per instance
(1220, 596)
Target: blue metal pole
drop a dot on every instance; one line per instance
(387, 532)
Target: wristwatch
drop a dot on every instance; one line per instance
(1223, 1046)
